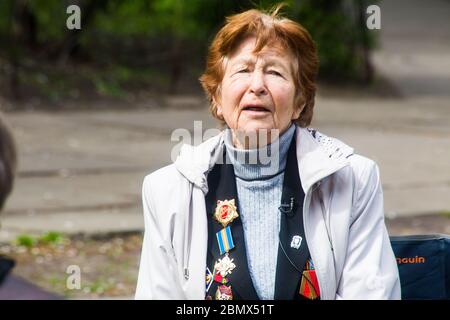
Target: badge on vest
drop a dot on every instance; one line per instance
(309, 285)
(208, 279)
(226, 212)
(224, 266)
(224, 293)
(296, 242)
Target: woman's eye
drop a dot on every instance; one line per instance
(276, 73)
(243, 71)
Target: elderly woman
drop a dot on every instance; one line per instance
(221, 225)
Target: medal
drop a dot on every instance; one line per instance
(208, 279)
(224, 293)
(226, 212)
(224, 266)
(225, 240)
(309, 286)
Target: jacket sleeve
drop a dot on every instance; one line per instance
(370, 268)
(157, 270)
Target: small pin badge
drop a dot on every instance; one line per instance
(208, 279)
(296, 242)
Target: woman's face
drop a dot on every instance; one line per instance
(258, 91)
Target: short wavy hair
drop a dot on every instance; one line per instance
(269, 28)
(8, 162)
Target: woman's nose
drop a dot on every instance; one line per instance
(257, 85)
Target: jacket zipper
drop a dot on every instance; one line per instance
(187, 244)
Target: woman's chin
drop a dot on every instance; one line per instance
(256, 127)
(254, 135)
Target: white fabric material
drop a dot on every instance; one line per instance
(343, 219)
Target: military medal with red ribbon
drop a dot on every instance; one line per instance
(309, 285)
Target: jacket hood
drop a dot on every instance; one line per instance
(318, 156)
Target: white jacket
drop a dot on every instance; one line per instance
(342, 212)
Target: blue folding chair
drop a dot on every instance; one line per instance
(424, 266)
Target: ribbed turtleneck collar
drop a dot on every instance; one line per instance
(265, 162)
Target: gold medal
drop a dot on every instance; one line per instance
(226, 212)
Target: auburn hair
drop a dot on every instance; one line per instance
(269, 28)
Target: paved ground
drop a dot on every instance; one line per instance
(82, 171)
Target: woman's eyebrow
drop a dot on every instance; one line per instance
(277, 63)
(271, 62)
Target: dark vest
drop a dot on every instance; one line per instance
(290, 261)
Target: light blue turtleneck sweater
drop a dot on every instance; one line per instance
(259, 188)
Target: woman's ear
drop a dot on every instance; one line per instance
(297, 112)
(218, 107)
(299, 105)
(219, 111)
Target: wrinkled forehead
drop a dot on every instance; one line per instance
(258, 46)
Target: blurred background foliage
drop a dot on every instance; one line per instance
(154, 45)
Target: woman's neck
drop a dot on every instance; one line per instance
(255, 140)
(259, 163)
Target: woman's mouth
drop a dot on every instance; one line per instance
(255, 109)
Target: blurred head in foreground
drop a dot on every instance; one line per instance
(8, 162)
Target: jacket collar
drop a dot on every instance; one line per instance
(318, 156)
